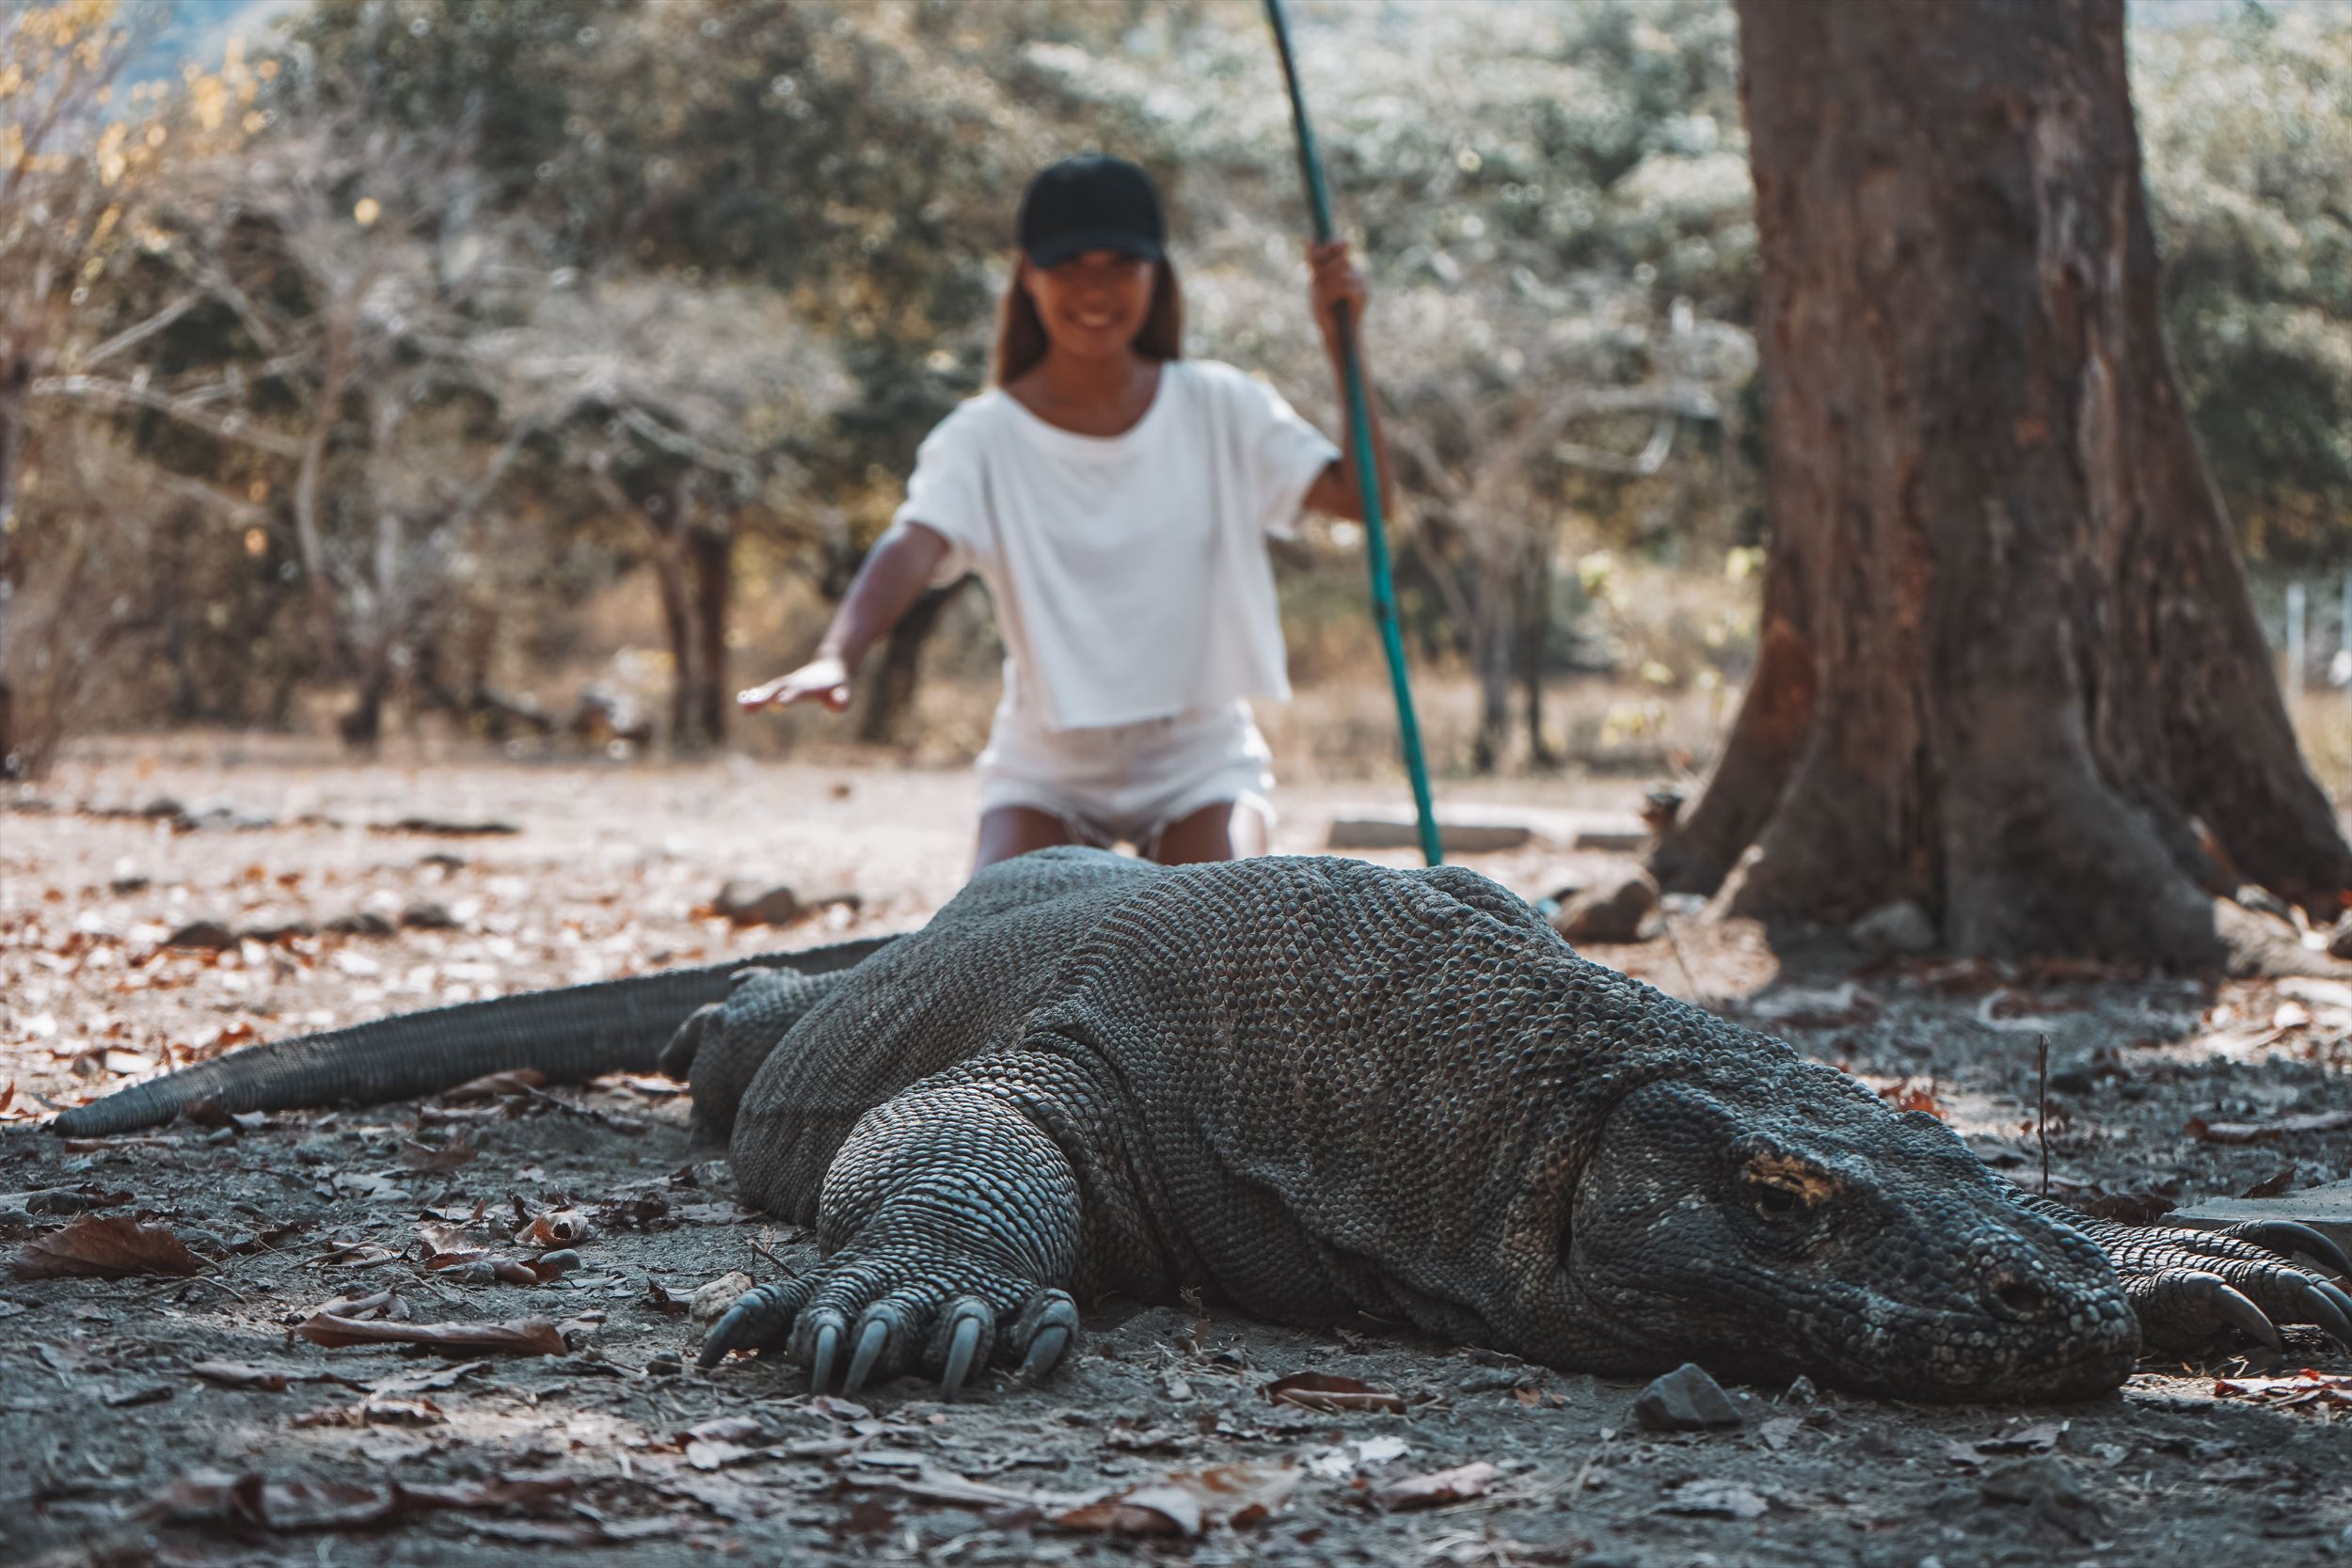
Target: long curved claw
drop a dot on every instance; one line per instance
(759, 1319)
(1044, 1351)
(961, 1350)
(2235, 1307)
(2318, 1301)
(870, 1341)
(2291, 1236)
(828, 1352)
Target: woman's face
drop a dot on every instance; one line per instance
(1094, 304)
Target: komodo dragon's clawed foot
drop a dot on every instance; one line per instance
(2187, 1286)
(948, 1219)
(887, 1325)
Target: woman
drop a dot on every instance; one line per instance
(1116, 498)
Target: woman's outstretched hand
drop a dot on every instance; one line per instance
(1337, 281)
(824, 679)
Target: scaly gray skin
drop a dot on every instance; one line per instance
(571, 1033)
(1317, 1087)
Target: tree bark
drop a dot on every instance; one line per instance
(16, 380)
(1535, 640)
(710, 550)
(2008, 661)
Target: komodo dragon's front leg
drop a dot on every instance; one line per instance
(951, 1223)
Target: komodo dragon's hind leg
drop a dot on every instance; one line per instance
(950, 1225)
(718, 1049)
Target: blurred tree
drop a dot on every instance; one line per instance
(2009, 663)
(2248, 127)
(77, 171)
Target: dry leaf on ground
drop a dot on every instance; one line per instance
(1459, 1484)
(2271, 1186)
(1189, 1501)
(526, 1337)
(2259, 1132)
(272, 1380)
(249, 1502)
(494, 1085)
(110, 1247)
(458, 1151)
(556, 1228)
(1329, 1392)
(2319, 1390)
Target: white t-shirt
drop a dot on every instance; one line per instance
(1129, 572)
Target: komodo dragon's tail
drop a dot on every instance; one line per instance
(570, 1033)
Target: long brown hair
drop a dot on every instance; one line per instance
(1021, 340)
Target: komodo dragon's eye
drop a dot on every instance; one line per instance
(1782, 1190)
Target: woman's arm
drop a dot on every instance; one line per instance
(1337, 282)
(892, 576)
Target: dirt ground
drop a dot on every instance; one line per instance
(177, 1419)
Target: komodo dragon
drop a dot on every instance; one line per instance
(1314, 1087)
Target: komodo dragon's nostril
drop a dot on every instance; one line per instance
(2014, 1297)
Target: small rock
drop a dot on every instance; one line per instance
(210, 934)
(1721, 1499)
(361, 923)
(712, 1298)
(1610, 911)
(2079, 1076)
(1490, 1380)
(1685, 1399)
(444, 860)
(1901, 927)
(1802, 1392)
(129, 882)
(2340, 940)
(426, 915)
(747, 903)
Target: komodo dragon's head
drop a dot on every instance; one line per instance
(1794, 1222)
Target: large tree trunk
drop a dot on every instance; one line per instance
(16, 380)
(710, 548)
(2009, 657)
(1534, 645)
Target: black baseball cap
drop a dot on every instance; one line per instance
(1090, 202)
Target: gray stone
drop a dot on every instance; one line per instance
(1901, 927)
(2340, 940)
(1685, 1399)
(208, 934)
(747, 903)
(361, 923)
(1612, 910)
(2078, 1076)
(426, 915)
(2327, 1209)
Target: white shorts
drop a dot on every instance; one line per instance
(1125, 782)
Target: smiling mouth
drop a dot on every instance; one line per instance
(1094, 321)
